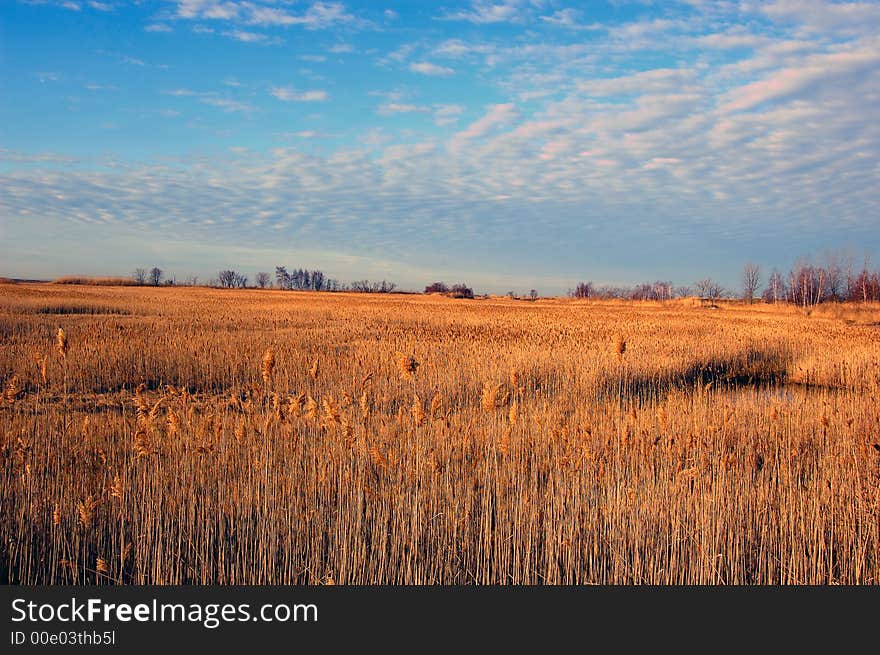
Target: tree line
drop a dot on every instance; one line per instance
(299, 279)
(807, 283)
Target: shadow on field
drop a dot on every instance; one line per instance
(751, 368)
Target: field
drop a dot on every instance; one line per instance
(201, 436)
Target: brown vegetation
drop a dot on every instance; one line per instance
(96, 281)
(209, 436)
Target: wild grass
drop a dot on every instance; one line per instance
(268, 437)
(95, 281)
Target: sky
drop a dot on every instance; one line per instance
(507, 144)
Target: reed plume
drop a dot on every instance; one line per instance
(268, 366)
(406, 364)
(492, 398)
(619, 346)
(311, 408)
(116, 488)
(13, 387)
(61, 343)
(86, 510)
(418, 411)
(296, 403)
(436, 410)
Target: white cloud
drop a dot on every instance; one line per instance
(447, 114)
(227, 104)
(180, 92)
(341, 48)
(650, 81)
(818, 15)
(287, 94)
(569, 19)
(251, 37)
(495, 116)
(486, 11)
(831, 69)
(427, 68)
(318, 16)
(401, 108)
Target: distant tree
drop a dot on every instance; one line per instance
(583, 290)
(834, 275)
(533, 294)
(264, 280)
(640, 292)
(775, 291)
(365, 286)
(155, 276)
(807, 283)
(437, 287)
(461, 290)
(240, 281)
(282, 277)
(140, 276)
(192, 280)
(227, 278)
(709, 288)
(303, 280)
(751, 278)
(863, 286)
(662, 290)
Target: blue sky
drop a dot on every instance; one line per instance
(511, 144)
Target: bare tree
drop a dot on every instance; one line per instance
(155, 276)
(461, 290)
(775, 290)
(834, 274)
(709, 289)
(264, 280)
(751, 278)
(140, 276)
(282, 277)
(227, 278)
(582, 290)
(437, 287)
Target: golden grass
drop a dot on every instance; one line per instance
(211, 436)
(95, 281)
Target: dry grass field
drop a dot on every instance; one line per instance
(211, 437)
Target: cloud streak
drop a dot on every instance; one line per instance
(287, 94)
